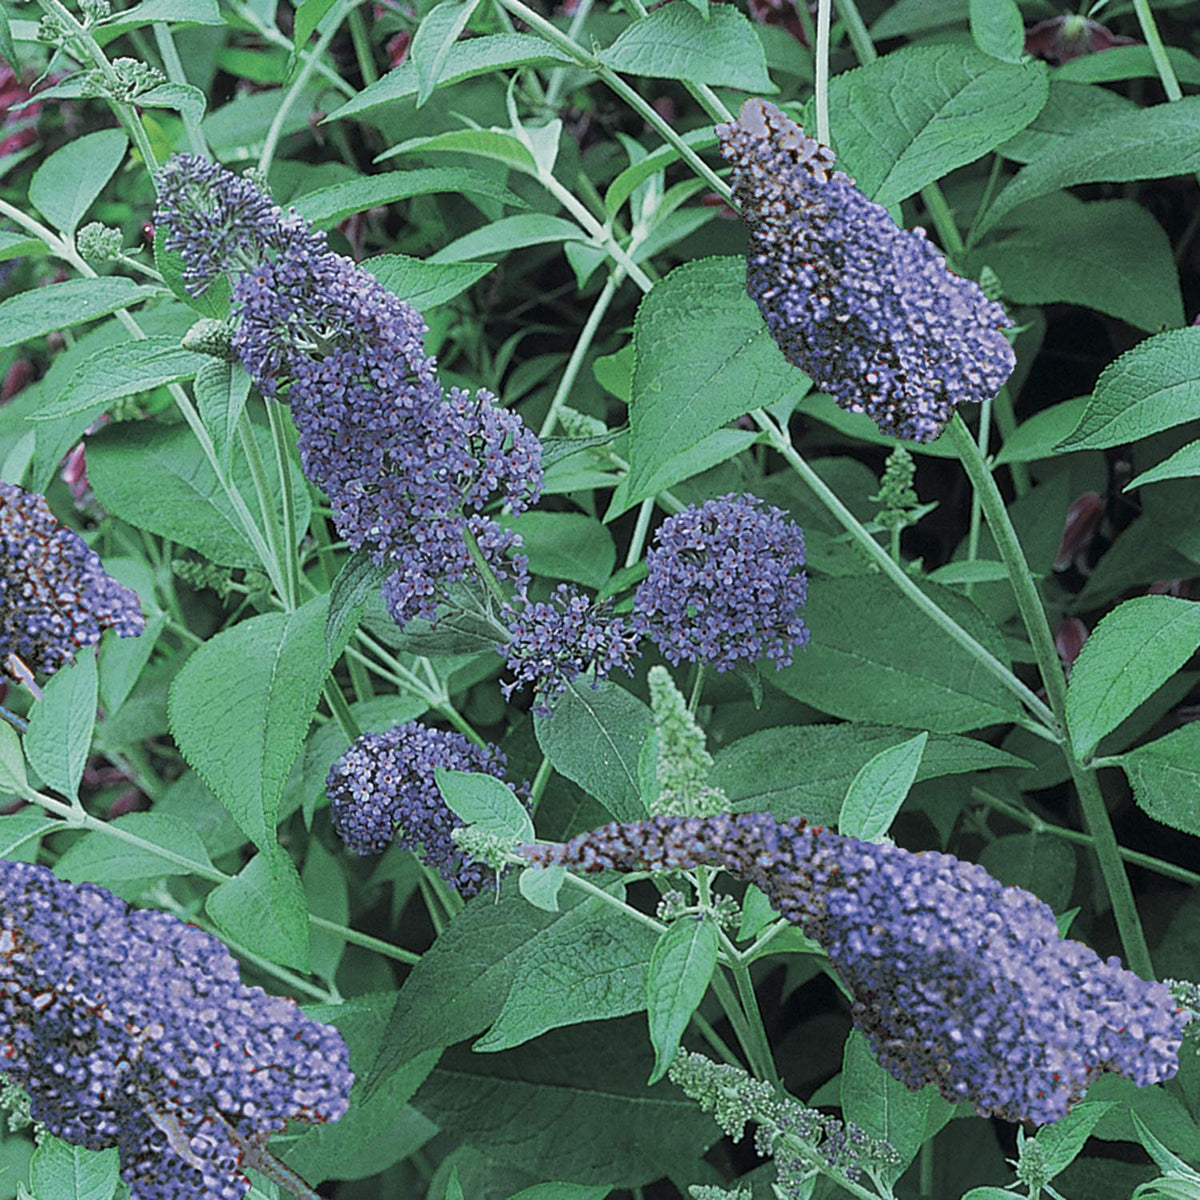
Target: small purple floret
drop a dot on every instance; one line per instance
(55, 597)
(129, 1028)
(725, 583)
(956, 980)
(865, 308)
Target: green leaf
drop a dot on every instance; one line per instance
(880, 788)
(1165, 777)
(221, 392)
(106, 860)
(988, 1193)
(7, 49)
(157, 478)
(874, 657)
(510, 233)
(471, 57)
(1147, 143)
(435, 37)
(38, 311)
(1128, 62)
(1042, 865)
(60, 725)
(1110, 255)
(586, 1112)
(1148, 389)
(242, 704)
(594, 738)
(907, 119)
(121, 370)
(676, 42)
(329, 205)
(328, 896)
(21, 833)
(563, 545)
(566, 1191)
(12, 762)
(806, 770)
(998, 29)
(213, 302)
(482, 800)
(359, 577)
(1062, 1141)
(122, 661)
(586, 967)
(1183, 464)
(681, 966)
(170, 12)
(1039, 436)
(425, 284)
(453, 1187)
(1134, 650)
(658, 160)
(263, 907)
(703, 356)
(541, 885)
(183, 98)
(873, 1099)
(69, 1172)
(309, 14)
(1071, 108)
(64, 187)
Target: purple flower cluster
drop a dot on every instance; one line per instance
(383, 792)
(556, 641)
(129, 1028)
(407, 469)
(865, 308)
(957, 981)
(725, 582)
(55, 597)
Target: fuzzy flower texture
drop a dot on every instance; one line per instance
(957, 981)
(865, 308)
(55, 597)
(129, 1028)
(407, 469)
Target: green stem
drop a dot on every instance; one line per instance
(737, 1021)
(1033, 615)
(362, 47)
(985, 425)
(697, 689)
(897, 575)
(258, 473)
(641, 528)
(558, 76)
(245, 12)
(283, 466)
(1006, 422)
(856, 31)
(715, 1040)
(758, 1034)
(486, 574)
(1158, 52)
(341, 710)
(821, 60)
(586, 885)
(540, 780)
(176, 74)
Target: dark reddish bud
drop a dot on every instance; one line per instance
(13, 806)
(1069, 639)
(397, 47)
(1171, 587)
(128, 801)
(148, 232)
(1061, 39)
(665, 107)
(16, 378)
(1083, 519)
(782, 13)
(713, 200)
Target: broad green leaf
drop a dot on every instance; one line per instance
(1128, 62)
(821, 407)
(1134, 650)
(309, 14)
(874, 657)
(453, 1187)
(880, 788)
(36, 312)
(434, 40)
(1040, 864)
(328, 896)
(68, 1172)
(221, 392)
(122, 661)
(873, 1099)
(122, 370)
(805, 770)
(998, 29)
(1110, 255)
(541, 885)
(1163, 1157)
(1163, 1113)
(637, 173)
(1070, 108)
(586, 967)
(157, 478)
(182, 97)
(263, 908)
(681, 966)
(482, 800)
(242, 704)
(916, 16)
(109, 861)
(564, 545)
(973, 571)
(1148, 389)
(564, 1191)
(703, 356)
(1149, 143)
(988, 1193)
(586, 1112)
(1165, 777)
(170, 12)
(213, 302)
(61, 723)
(1039, 436)
(1183, 464)
(509, 233)
(594, 738)
(13, 778)
(21, 833)
(327, 206)
(65, 186)
(907, 119)
(422, 283)
(471, 57)
(1062, 1141)
(19, 245)
(677, 42)
(7, 49)
(359, 577)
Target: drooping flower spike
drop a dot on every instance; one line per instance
(55, 597)
(957, 981)
(129, 1028)
(867, 309)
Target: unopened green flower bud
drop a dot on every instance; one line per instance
(98, 243)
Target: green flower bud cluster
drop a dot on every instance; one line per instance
(99, 244)
(897, 496)
(683, 762)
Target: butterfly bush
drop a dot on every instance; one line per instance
(408, 469)
(129, 1028)
(956, 980)
(725, 583)
(55, 597)
(867, 309)
(383, 792)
